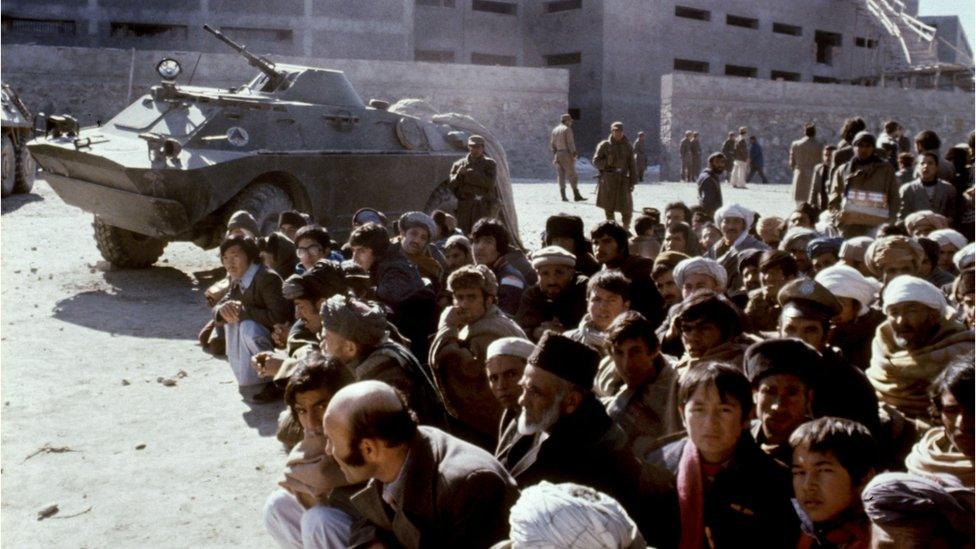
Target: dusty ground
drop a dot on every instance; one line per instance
(138, 462)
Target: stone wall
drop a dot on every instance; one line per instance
(775, 112)
(517, 104)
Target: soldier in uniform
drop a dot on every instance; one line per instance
(695, 164)
(684, 149)
(615, 159)
(564, 157)
(473, 182)
(640, 155)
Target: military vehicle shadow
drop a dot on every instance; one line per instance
(15, 202)
(160, 302)
(264, 417)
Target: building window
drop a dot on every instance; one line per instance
(490, 6)
(785, 75)
(147, 30)
(434, 56)
(744, 22)
(825, 80)
(436, 3)
(736, 70)
(490, 59)
(826, 42)
(861, 42)
(688, 65)
(692, 13)
(63, 27)
(558, 59)
(563, 5)
(246, 35)
(783, 28)
(575, 113)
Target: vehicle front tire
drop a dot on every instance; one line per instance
(126, 249)
(441, 199)
(265, 201)
(26, 171)
(8, 158)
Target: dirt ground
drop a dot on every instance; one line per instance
(88, 425)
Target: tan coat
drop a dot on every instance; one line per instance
(561, 139)
(805, 154)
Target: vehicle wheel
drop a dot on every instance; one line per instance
(9, 161)
(265, 201)
(26, 170)
(441, 199)
(126, 249)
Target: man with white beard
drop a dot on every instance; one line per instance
(563, 433)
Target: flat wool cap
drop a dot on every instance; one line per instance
(565, 358)
(358, 321)
(552, 255)
(782, 356)
(510, 346)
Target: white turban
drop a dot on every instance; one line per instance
(948, 236)
(570, 516)
(800, 236)
(510, 346)
(735, 211)
(907, 288)
(965, 258)
(700, 265)
(845, 281)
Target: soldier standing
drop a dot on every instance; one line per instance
(473, 183)
(564, 156)
(684, 149)
(640, 156)
(695, 165)
(615, 159)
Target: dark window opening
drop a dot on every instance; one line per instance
(258, 35)
(688, 65)
(785, 75)
(783, 28)
(491, 6)
(862, 42)
(692, 13)
(490, 59)
(147, 30)
(736, 70)
(744, 22)
(558, 59)
(436, 3)
(575, 113)
(563, 5)
(826, 42)
(825, 80)
(40, 26)
(434, 56)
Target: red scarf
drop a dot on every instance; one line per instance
(691, 498)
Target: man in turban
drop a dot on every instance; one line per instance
(923, 222)
(852, 330)
(891, 256)
(852, 253)
(734, 221)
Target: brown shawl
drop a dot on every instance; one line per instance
(310, 474)
(934, 456)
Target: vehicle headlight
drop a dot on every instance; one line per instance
(169, 68)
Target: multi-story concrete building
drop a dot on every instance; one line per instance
(953, 47)
(615, 50)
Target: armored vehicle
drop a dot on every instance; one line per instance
(18, 166)
(175, 164)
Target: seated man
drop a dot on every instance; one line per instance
(914, 344)
(832, 461)
(491, 244)
(638, 383)
(356, 333)
(425, 487)
(457, 253)
(824, 252)
(923, 222)
(711, 330)
(945, 453)
(607, 296)
(458, 352)
(563, 433)
(611, 248)
(928, 269)
(303, 512)
(852, 253)
(417, 231)
(716, 487)
(795, 243)
(663, 277)
(289, 222)
(644, 243)
(911, 511)
(950, 241)
(504, 366)
(776, 268)
(313, 243)
(566, 231)
(242, 223)
(748, 266)
(278, 254)
(852, 329)
(249, 311)
(558, 301)
(891, 256)
(783, 374)
(734, 221)
(690, 275)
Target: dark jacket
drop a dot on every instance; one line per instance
(568, 307)
(455, 495)
(709, 191)
(261, 302)
(644, 296)
(915, 199)
(844, 391)
(395, 277)
(511, 285)
(746, 504)
(819, 187)
(394, 364)
(868, 176)
(756, 154)
(855, 338)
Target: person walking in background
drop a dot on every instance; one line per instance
(805, 154)
(728, 151)
(564, 157)
(740, 165)
(695, 167)
(684, 149)
(755, 160)
(640, 155)
(709, 186)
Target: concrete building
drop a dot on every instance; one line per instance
(615, 51)
(953, 47)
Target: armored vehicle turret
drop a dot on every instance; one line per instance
(175, 164)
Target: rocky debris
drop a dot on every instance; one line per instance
(48, 449)
(48, 512)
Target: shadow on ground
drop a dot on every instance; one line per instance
(160, 302)
(15, 202)
(263, 418)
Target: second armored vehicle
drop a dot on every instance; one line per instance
(17, 123)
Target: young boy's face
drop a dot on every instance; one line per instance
(821, 484)
(714, 423)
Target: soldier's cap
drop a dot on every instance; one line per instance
(617, 126)
(565, 358)
(824, 245)
(476, 141)
(552, 255)
(866, 136)
(782, 356)
(805, 298)
(565, 117)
